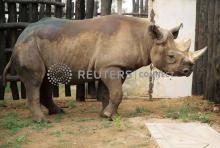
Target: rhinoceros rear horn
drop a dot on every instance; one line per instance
(157, 34)
(198, 53)
(175, 30)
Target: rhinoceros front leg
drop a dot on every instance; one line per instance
(103, 95)
(46, 98)
(113, 82)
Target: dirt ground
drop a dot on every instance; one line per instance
(82, 127)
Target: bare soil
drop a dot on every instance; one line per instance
(82, 127)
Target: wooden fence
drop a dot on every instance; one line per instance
(15, 15)
(206, 77)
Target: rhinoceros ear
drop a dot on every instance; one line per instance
(175, 30)
(157, 34)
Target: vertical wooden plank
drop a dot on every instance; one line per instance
(33, 12)
(2, 47)
(200, 69)
(96, 6)
(79, 9)
(141, 6)
(58, 14)
(69, 9)
(106, 6)
(23, 13)
(80, 92)
(91, 90)
(217, 51)
(23, 18)
(89, 8)
(80, 14)
(12, 39)
(91, 93)
(42, 11)
(58, 10)
(213, 78)
(209, 94)
(68, 16)
(48, 10)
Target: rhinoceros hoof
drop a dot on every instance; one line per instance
(40, 119)
(56, 111)
(107, 114)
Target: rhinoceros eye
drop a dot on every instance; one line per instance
(171, 59)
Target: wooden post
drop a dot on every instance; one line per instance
(58, 14)
(80, 14)
(23, 18)
(146, 6)
(12, 39)
(80, 92)
(2, 47)
(135, 7)
(91, 93)
(89, 8)
(68, 16)
(141, 6)
(42, 11)
(96, 7)
(213, 73)
(119, 6)
(48, 10)
(69, 9)
(58, 10)
(206, 78)
(200, 69)
(106, 6)
(80, 9)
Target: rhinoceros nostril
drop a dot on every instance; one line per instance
(185, 70)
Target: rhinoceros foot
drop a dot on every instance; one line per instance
(40, 119)
(109, 112)
(56, 110)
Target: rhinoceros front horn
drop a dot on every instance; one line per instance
(198, 53)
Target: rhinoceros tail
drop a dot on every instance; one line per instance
(5, 71)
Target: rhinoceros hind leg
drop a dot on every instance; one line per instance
(33, 102)
(46, 98)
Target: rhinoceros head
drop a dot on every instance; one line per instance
(169, 56)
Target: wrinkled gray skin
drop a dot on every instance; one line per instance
(108, 43)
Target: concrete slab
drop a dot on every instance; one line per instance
(184, 135)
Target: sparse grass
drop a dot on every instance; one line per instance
(58, 118)
(72, 104)
(188, 113)
(85, 120)
(55, 133)
(38, 126)
(15, 143)
(88, 110)
(2, 103)
(106, 124)
(14, 123)
(141, 110)
(117, 120)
